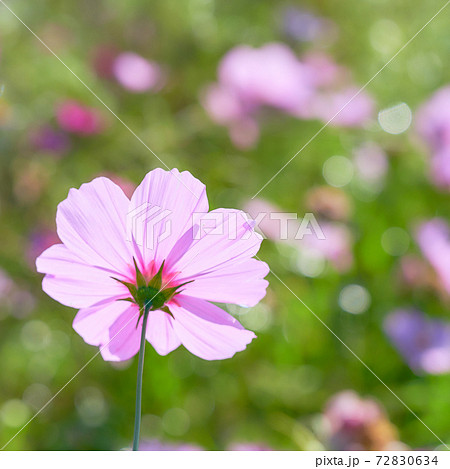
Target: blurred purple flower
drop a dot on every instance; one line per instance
(50, 140)
(135, 73)
(433, 238)
(79, 119)
(356, 424)
(157, 445)
(39, 240)
(423, 342)
(304, 26)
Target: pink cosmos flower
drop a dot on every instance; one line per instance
(79, 119)
(116, 249)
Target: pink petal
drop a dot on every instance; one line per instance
(219, 239)
(93, 323)
(161, 211)
(123, 336)
(72, 282)
(206, 330)
(240, 283)
(160, 332)
(91, 222)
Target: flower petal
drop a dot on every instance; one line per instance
(91, 222)
(240, 283)
(161, 211)
(219, 239)
(206, 330)
(72, 282)
(160, 332)
(123, 337)
(93, 323)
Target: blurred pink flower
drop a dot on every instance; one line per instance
(271, 219)
(222, 104)
(415, 272)
(248, 447)
(336, 247)
(356, 424)
(440, 168)
(323, 70)
(103, 57)
(273, 76)
(343, 107)
(433, 238)
(371, 162)
(14, 300)
(244, 133)
(157, 445)
(433, 120)
(422, 341)
(329, 202)
(79, 119)
(433, 125)
(280, 226)
(108, 255)
(135, 73)
(6, 284)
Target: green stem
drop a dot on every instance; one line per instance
(137, 412)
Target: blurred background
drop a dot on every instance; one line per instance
(231, 91)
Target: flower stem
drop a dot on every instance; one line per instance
(137, 412)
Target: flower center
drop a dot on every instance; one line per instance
(151, 295)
